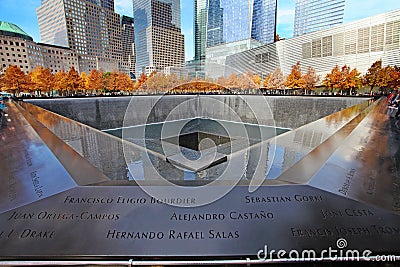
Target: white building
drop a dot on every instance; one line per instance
(357, 44)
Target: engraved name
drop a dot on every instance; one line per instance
(36, 183)
(346, 185)
(277, 199)
(346, 212)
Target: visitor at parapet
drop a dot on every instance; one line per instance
(395, 105)
(390, 97)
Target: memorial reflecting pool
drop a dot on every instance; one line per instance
(252, 123)
(228, 176)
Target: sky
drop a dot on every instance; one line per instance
(23, 14)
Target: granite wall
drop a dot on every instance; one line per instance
(282, 111)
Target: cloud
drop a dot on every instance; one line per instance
(285, 22)
(124, 7)
(285, 16)
(186, 4)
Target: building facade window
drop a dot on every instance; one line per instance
(363, 40)
(327, 46)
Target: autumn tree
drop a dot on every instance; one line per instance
(198, 86)
(95, 81)
(42, 79)
(232, 81)
(372, 76)
(124, 82)
(353, 81)
(332, 78)
(73, 81)
(221, 81)
(15, 80)
(110, 80)
(173, 81)
(266, 81)
(310, 79)
(276, 81)
(295, 79)
(1, 81)
(84, 82)
(60, 82)
(159, 82)
(156, 82)
(141, 82)
(343, 79)
(385, 76)
(394, 83)
(253, 80)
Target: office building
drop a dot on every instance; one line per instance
(128, 47)
(357, 44)
(200, 29)
(158, 39)
(18, 48)
(58, 58)
(235, 26)
(315, 15)
(231, 21)
(181, 73)
(90, 28)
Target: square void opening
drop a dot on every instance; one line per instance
(192, 140)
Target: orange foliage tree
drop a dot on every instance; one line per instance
(276, 80)
(386, 77)
(141, 82)
(255, 80)
(124, 82)
(266, 80)
(394, 83)
(342, 79)
(110, 80)
(95, 82)
(84, 83)
(156, 83)
(353, 80)
(310, 79)
(295, 79)
(60, 82)
(15, 80)
(73, 81)
(372, 75)
(198, 86)
(42, 80)
(118, 81)
(332, 78)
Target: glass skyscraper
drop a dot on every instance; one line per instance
(158, 39)
(315, 15)
(127, 28)
(230, 21)
(234, 26)
(200, 29)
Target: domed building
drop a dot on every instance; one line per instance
(14, 46)
(18, 48)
